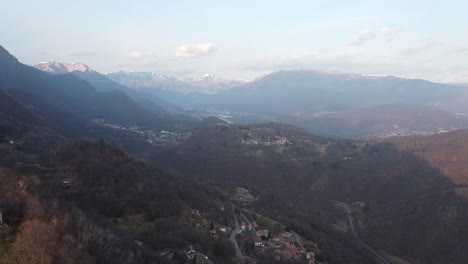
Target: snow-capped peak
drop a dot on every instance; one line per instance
(61, 68)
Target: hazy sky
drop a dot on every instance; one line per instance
(243, 39)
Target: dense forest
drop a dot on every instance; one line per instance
(400, 192)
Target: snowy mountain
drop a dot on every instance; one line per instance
(206, 84)
(54, 67)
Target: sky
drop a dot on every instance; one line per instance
(243, 39)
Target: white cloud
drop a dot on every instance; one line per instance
(361, 38)
(420, 48)
(462, 49)
(135, 55)
(199, 49)
(366, 35)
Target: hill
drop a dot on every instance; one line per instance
(70, 96)
(102, 83)
(447, 152)
(339, 104)
(308, 91)
(382, 121)
(93, 194)
(296, 174)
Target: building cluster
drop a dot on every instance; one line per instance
(195, 219)
(255, 139)
(195, 257)
(284, 247)
(160, 138)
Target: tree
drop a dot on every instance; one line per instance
(223, 248)
(102, 145)
(36, 243)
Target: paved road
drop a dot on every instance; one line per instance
(355, 234)
(253, 231)
(239, 254)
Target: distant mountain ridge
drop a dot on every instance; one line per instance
(70, 102)
(208, 84)
(61, 68)
(299, 97)
(104, 84)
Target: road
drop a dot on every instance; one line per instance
(355, 234)
(253, 230)
(233, 240)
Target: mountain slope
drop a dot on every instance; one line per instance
(328, 102)
(402, 204)
(23, 135)
(69, 95)
(382, 121)
(104, 84)
(447, 152)
(313, 91)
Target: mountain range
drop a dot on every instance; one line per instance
(207, 84)
(331, 103)
(106, 173)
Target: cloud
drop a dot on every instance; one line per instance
(81, 54)
(461, 49)
(361, 38)
(366, 35)
(135, 55)
(418, 49)
(199, 49)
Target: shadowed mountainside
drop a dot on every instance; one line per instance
(409, 204)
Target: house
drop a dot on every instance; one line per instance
(255, 224)
(249, 226)
(189, 252)
(214, 234)
(224, 229)
(262, 232)
(310, 255)
(139, 243)
(276, 240)
(195, 212)
(66, 184)
(259, 244)
(243, 226)
(286, 234)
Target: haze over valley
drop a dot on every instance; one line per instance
(260, 132)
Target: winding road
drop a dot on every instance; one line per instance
(232, 237)
(355, 234)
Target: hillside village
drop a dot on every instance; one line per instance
(259, 235)
(266, 236)
(156, 138)
(251, 138)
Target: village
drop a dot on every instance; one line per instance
(273, 238)
(261, 235)
(254, 139)
(254, 234)
(157, 138)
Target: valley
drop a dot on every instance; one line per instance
(93, 171)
